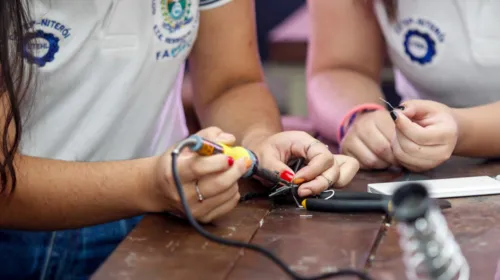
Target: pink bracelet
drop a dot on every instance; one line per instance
(351, 116)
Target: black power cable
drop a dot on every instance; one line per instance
(175, 153)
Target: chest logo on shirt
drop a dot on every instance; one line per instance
(42, 45)
(176, 13)
(421, 40)
(175, 24)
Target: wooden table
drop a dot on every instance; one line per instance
(310, 242)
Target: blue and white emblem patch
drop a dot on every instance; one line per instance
(419, 46)
(42, 45)
(422, 39)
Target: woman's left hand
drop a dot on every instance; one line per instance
(323, 169)
(426, 134)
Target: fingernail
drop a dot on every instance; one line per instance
(305, 192)
(230, 161)
(298, 181)
(400, 108)
(225, 137)
(393, 115)
(287, 176)
(248, 162)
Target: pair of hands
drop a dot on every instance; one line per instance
(419, 136)
(217, 176)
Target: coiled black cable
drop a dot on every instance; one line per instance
(175, 153)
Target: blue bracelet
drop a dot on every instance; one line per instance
(351, 120)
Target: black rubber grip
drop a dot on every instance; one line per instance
(344, 195)
(346, 206)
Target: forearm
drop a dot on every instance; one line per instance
(248, 111)
(332, 94)
(478, 133)
(53, 194)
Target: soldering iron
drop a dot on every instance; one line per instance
(206, 148)
(420, 222)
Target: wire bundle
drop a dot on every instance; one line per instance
(228, 242)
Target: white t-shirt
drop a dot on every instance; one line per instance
(109, 76)
(445, 50)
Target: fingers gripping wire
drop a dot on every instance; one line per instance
(295, 164)
(228, 242)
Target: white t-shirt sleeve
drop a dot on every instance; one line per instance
(210, 4)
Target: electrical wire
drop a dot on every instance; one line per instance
(175, 153)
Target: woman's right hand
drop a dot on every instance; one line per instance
(216, 177)
(369, 140)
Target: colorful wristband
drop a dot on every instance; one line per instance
(351, 116)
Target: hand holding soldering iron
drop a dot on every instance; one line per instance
(210, 183)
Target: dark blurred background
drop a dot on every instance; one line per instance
(270, 16)
(283, 27)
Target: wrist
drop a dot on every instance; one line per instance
(151, 197)
(351, 116)
(463, 129)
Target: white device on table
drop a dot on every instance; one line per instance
(445, 188)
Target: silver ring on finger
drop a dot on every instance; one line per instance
(197, 189)
(308, 147)
(330, 182)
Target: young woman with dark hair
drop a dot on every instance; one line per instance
(92, 108)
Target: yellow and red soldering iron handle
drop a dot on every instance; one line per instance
(205, 147)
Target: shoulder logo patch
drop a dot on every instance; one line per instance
(422, 39)
(175, 25)
(40, 48)
(42, 45)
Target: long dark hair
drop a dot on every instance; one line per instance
(15, 79)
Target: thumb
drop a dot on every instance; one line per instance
(226, 138)
(216, 134)
(406, 126)
(417, 110)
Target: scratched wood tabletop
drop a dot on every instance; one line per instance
(162, 247)
(474, 222)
